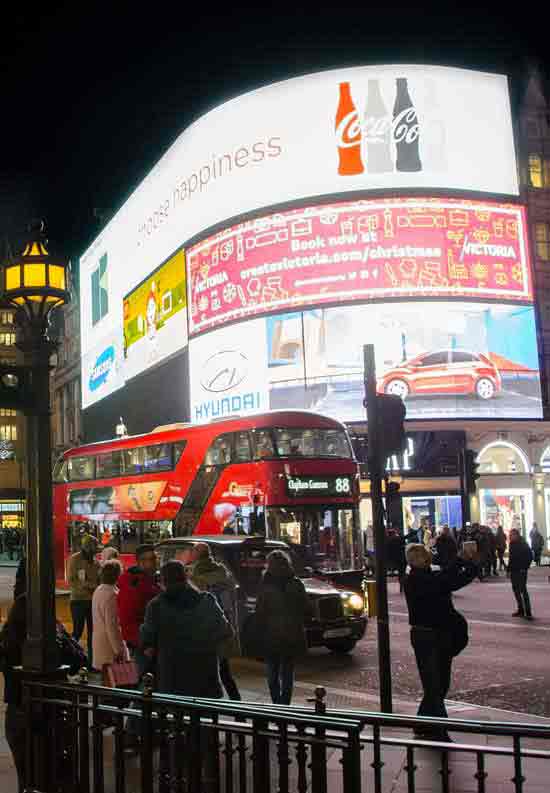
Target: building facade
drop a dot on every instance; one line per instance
(12, 441)
(65, 380)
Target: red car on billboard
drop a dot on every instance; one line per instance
(443, 372)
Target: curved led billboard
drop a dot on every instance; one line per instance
(395, 127)
(356, 251)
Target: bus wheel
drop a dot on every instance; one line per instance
(341, 645)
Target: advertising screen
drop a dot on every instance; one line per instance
(155, 324)
(446, 359)
(356, 251)
(335, 132)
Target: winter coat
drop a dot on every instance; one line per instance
(500, 540)
(281, 611)
(83, 576)
(519, 556)
(537, 541)
(429, 593)
(207, 575)
(12, 639)
(135, 589)
(185, 628)
(107, 639)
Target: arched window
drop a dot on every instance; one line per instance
(545, 460)
(502, 457)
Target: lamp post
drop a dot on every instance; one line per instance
(35, 283)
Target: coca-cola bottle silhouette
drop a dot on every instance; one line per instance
(348, 134)
(406, 131)
(377, 128)
(434, 154)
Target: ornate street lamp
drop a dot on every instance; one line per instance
(36, 283)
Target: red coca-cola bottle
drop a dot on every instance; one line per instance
(348, 134)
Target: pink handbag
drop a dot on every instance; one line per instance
(123, 674)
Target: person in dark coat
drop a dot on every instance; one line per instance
(184, 629)
(281, 611)
(500, 543)
(395, 555)
(438, 631)
(445, 548)
(519, 562)
(537, 544)
(481, 537)
(12, 639)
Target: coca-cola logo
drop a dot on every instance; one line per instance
(348, 131)
(404, 127)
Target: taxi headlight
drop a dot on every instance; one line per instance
(356, 602)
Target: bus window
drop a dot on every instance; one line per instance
(312, 443)
(179, 446)
(219, 452)
(158, 458)
(242, 447)
(80, 468)
(131, 535)
(108, 465)
(263, 445)
(60, 471)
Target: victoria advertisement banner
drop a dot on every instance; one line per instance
(355, 251)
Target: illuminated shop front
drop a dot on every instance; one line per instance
(429, 483)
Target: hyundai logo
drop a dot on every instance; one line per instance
(224, 370)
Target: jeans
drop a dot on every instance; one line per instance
(280, 678)
(81, 613)
(501, 565)
(434, 661)
(228, 681)
(519, 585)
(15, 736)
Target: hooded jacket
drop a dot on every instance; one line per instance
(207, 575)
(135, 589)
(281, 611)
(519, 556)
(185, 628)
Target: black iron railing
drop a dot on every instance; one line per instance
(78, 735)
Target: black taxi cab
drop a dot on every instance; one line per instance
(338, 618)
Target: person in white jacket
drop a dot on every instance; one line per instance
(108, 644)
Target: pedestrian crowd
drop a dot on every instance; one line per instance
(181, 622)
(11, 543)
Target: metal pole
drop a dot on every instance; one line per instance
(40, 649)
(375, 475)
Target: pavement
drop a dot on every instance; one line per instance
(503, 675)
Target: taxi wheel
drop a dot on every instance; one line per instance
(341, 645)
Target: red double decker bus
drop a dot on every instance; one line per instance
(285, 475)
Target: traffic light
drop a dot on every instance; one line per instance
(391, 430)
(15, 387)
(470, 471)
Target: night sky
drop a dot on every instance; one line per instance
(93, 94)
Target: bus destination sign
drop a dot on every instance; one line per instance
(318, 485)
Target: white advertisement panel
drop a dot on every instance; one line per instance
(102, 370)
(229, 372)
(362, 128)
(445, 359)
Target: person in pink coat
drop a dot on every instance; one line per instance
(108, 644)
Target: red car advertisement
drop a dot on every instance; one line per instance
(361, 250)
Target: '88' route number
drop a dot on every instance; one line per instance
(342, 485)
